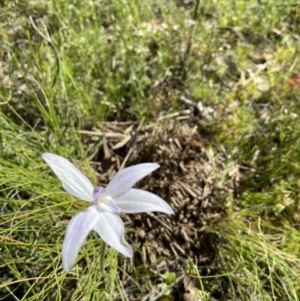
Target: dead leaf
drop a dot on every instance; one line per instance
(294, 80)
(190, 289)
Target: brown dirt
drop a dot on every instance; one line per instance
(194, 178)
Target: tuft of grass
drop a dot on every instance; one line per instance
(261, 259)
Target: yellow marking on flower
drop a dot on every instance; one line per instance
(101, 200)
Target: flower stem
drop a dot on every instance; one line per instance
(102, 258)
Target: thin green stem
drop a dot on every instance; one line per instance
(102, 258)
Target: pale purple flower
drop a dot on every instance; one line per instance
(103, 215)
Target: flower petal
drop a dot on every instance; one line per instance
(77, 230)
(137, 200)
(110, 228)
(73, 180)
(126, 178)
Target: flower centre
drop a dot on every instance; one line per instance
(104, 203)
(97, 195)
